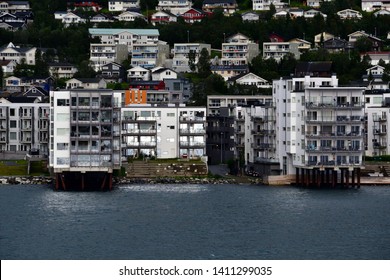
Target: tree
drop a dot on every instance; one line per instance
(191, 60)
(41, 67)
(363, 44)
(204, 64)
(85, 70)
(1, 77)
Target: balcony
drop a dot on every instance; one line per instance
(262, 146)
(3, 139)
(192, 131)
(332, 149)
(379, 145)
(192, 119)
(380, 119)
(262, 132)
(192, 144)
(335, 105)
(380, 132)
(334, 135)
(139, 132)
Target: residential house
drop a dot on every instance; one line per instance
(86, 83)
(375, 57)
(249, 79)
(349, 14)
(122, 5)
(239, 50)
(130, 16)
(162, 17)
(113, 72)
(13, 26)
(62, 69)
(22, 84)
(228, 71)
(176, 7)
(229, 7)
(335, 45)
(303, 45)
(250, 16)
(181, 55)
(8, 67)
(138, 73)
(264, 5)
(373, 78)
(314, 3)
(382, 13)
(24, 125)
(101, 54)
(193, 15)
(17, 54)
(100, 18)
(14, 6)
(85, 5)
(320, 38)
(313, 13)
(277, 50)
(161, 73)
(376, 42)
(70, 18)
(371, 6)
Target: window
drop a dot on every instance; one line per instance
(62, 102)
(170, 114)
(12, 136)
(62, 146)
(12, 112)
(13, 124)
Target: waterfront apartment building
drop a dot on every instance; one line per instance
(182, 53)
(319, 128)
(239, 50)
(24, 125)
(377, 112)
(169, 131)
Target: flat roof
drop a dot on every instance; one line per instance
(114, 31)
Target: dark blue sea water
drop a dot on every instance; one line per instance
(194, 222)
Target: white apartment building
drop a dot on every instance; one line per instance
(239, 50)
(176, 7)
(277, 50)
(17, 54)
(24, 125)
(62, 70)
(85, 130)
(377, 111)
(264, 5)
(164, 131)
(182, 52)
(122, 5)
(102, 54)
(143, 44)
(318, 124)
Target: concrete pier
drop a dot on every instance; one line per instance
(87, 181)
(328, 177)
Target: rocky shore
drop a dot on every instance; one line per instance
(42, 180)
(26, 180)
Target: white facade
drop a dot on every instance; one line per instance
(349, 14)
(164, 132)
(318, 123)
(85, 130)
(129, 16)
(370, 6)
(17, 54)
(122, 5)
(277, 50)
(138, 73)
(176, 7)
(24, 127)
(377, 117)
(264, 5)
(239, 50)
(251, 79)
(181, 53)
(101, 54)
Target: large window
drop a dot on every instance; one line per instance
(13, 124)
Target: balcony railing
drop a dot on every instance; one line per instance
(335, 105)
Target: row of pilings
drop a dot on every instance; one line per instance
(328, 177)
(79, 181)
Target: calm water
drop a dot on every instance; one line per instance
(195, 222)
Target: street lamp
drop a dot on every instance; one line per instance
(221, 147)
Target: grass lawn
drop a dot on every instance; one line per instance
(13, 167)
